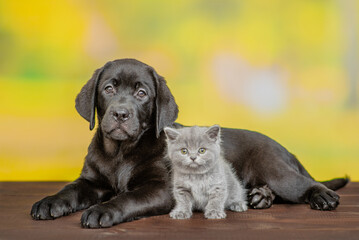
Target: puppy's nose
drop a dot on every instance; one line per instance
(121, 114)
(193, 158)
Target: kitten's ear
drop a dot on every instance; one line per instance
(171, 134)
(213, 132)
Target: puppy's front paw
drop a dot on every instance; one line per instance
(238, 206)
(98, 216)
(179, 214)
(215, 214)
(50, 208)
(324, 200)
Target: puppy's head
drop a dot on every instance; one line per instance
(130, 97)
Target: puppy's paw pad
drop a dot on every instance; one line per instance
(261, 197)
(177, 214)
(324, 200)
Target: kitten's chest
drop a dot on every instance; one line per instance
(200, 187)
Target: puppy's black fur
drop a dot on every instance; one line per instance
(126, 175)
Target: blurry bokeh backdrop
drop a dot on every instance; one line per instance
(288, 69)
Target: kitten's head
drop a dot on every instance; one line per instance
(193, 149)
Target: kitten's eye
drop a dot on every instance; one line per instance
(184, 151)
(109, 89)
(202, 150)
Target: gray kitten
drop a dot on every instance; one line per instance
(202, 179)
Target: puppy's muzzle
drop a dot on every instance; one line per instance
(121, 114)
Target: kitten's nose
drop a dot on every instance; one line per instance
(193, 158)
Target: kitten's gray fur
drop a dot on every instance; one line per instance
(202, 181)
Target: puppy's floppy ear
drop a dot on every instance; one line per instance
(86, 99)
(166, 107)
(213, 132)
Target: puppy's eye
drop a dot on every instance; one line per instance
(109, 89)
(141, 93)
(114, 82)
(202, 150)
(184, 151)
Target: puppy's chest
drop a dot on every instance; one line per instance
(119, 175)
(123, 176)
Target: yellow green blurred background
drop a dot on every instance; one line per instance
(288, 69)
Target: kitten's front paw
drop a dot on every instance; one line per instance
(215, 214)
(178, 214)
(238, 206)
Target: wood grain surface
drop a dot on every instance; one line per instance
(282, 221)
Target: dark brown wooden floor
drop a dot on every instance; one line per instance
(279, 222)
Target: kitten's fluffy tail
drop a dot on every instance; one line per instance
(336, 183)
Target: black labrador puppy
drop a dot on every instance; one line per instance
(126, 172)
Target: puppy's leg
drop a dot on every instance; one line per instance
(295, 187)
(261, 197)
(151, 198)
(75, 196)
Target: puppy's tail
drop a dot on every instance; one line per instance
(336, 183)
